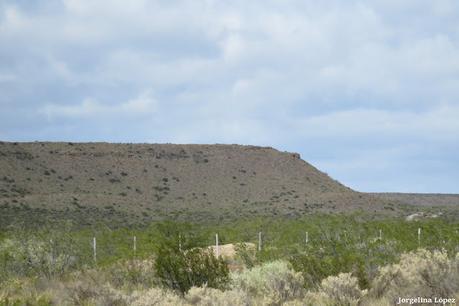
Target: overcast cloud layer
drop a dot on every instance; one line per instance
(366, 91)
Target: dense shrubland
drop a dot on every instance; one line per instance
(344, 262)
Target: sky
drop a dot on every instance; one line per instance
(366, 91)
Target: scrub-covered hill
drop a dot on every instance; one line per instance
(137, 183)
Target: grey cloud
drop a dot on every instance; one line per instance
(337, 81)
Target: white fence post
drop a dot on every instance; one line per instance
(259, 241)
(380, 234)
(180, 242)
(94, 248)
(307, 238)
(52, 252)
(217, 251)
(419, 236)
(135, 245)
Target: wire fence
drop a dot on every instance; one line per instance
(265, 241)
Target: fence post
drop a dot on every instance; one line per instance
(307, 238)
(94, 248)
(135, 245)
(259, 241)
(217, 251)
(180, 242)
(380, 234)
(419, 236)
(52, 252)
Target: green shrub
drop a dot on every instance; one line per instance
(32, 255)
(42, 300)
(246, 254)
(181, 270)
(19, 292)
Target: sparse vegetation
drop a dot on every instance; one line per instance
(99, 173)
(310, 255)
(271, 283)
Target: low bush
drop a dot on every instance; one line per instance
(32, 256)
(205, 296)
(181, 270)
(342, 289)
(274, 282)
(420, 273)
(23, 292)
(84, 292)
(155, 296)
(132, 274)
(246, 254)
(40, 300)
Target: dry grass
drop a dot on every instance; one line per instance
(229, 251)
(421, 273)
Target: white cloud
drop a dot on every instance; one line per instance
(142, 105)
(437, 124)
(274, 73)
(13, 20)
(317, 50)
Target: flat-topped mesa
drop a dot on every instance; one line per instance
(156, 181)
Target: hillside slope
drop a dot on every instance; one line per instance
(136, 183)
(421, 199)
